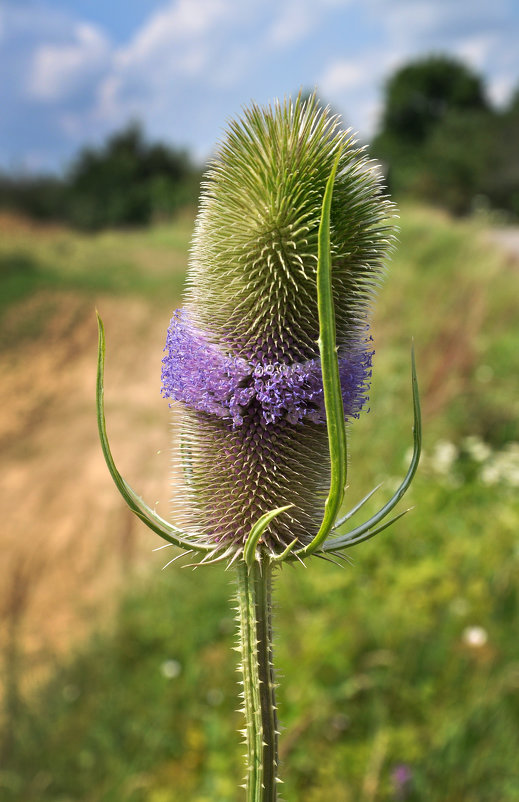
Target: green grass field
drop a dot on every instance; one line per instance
(399, 674)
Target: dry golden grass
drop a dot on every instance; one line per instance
(67, 539)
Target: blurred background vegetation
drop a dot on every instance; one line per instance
(399, 675)
(127, 182)
(440, 141)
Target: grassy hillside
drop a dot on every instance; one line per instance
(399, 674)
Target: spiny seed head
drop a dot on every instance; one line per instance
(243, 359)
(254, 257)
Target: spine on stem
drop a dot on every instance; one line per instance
(259, 703)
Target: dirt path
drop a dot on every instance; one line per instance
(68, 542)
(506, 238)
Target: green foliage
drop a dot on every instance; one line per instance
(442, 142)
(151, 699)
(37, 197)
(386, 656)
(456, 161)
(128, 182)
(125, 182)
(501, 180)
(407, 657)
(151, 264)
(421, 94)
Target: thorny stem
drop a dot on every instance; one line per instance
(259, 704)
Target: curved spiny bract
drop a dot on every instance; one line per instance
(252, 276)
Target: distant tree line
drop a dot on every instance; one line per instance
(441, 140)
(126, 182)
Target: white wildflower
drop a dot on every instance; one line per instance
(476, 448)
(443, 457)
(170, 669)
(475, 637)
(503, 468)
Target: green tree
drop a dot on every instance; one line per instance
(41, 197)
(456, 160)
(501, 179)
(472, 154)
(438, 135)
(129, 182)
(421, 94)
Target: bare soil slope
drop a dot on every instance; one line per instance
(67, 539)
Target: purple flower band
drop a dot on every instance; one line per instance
(197, 373)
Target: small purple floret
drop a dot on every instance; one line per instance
(402, 776)
(197, 373)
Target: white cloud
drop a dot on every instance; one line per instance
(341, 75)
(58, 69)
(370, 114)
(476, 33)
(501, 88)
(293, 23)
(296, 20)
(192, 63)
(475, 50)
(176, 45)
(181, 25)
(420, 17)
(354, 85)
(415, 28)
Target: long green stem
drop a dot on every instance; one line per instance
(261, 727)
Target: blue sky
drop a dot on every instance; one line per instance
(71, 71)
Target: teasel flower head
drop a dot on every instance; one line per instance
(242, 359)
(271, 355)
